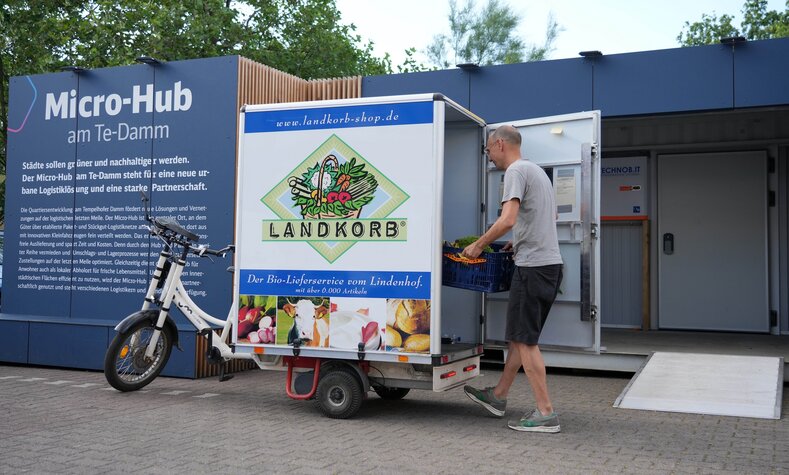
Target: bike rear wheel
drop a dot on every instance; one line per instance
(339, 394)
(125, 365)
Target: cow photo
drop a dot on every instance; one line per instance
(305, 319)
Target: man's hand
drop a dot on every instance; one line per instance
(507, 247)
(472, 251)
(505, 222)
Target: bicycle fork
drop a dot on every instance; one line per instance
(167, 294)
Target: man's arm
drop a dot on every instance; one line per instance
(509, 214)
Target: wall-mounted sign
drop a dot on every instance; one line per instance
(623, 188)
(80, 150)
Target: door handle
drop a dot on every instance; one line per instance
(668, 243)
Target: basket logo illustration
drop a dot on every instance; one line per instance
(333, 199)
(325, 191)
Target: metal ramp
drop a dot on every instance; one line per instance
(725, 385)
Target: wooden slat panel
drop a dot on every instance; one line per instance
(261, 84)
(203, 369)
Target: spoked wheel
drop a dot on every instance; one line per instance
(339, 394)
(125, 365)
(390, 394)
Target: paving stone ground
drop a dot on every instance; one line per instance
(69, 421)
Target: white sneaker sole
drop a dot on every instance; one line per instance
(544, 429)
(491, 409)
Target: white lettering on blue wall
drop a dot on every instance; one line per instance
(66, 105)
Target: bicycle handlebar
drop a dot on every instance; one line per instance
(172, 232)
(200, 251)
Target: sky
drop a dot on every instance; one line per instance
(609, 26)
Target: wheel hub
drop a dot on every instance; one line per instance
(139, 360)
(336, 396)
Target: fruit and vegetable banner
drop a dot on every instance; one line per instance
(335, 226)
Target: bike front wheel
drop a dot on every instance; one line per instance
(125, 364)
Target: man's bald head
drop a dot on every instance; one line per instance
(507, 134)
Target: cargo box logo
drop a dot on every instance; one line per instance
(332, 200)
(332, 190)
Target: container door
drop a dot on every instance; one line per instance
(567, 147)
(712, 249)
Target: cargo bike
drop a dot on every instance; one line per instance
(351, 304)
(342, 276)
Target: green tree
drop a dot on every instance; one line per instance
(301, 37)
(306, 38)
(486, 37)
(757, 24)
(410, 63)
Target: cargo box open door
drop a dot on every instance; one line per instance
(567, 147)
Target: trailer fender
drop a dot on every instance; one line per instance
(337, 364)
(152, 316)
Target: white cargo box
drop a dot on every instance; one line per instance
(342, 208)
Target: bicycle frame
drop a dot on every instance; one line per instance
(173, 291)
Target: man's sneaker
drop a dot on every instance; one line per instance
(486, 399)
(534, 421)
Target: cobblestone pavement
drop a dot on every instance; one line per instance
(67, 421)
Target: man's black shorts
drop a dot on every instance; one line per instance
(532, 293)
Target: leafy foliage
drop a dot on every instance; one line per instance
(467, 240)
(486, 37)
(350, 168)
(301, 37)
(757, 24)
(410, 63)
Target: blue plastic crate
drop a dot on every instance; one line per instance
(493, 275)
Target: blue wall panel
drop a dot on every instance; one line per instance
(72, 346)
(206, 139)
(453, 83)
(13, 341)
(653, 82)
(103, 233)
(182, 363)
(81, 147)
(39, 206)
(761, 69)
(524, 91)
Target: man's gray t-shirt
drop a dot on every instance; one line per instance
(534, 235)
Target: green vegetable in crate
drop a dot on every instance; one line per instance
(465, 241)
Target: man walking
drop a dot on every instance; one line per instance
(529, 210)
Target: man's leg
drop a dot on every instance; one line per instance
(534, 367)
(511, 366)
(494, 399)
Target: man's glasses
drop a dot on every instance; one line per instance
(486, 150)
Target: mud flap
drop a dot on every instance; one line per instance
(152, 316)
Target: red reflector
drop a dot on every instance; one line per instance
(445, 359)
(448, 375)
(469, 368)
